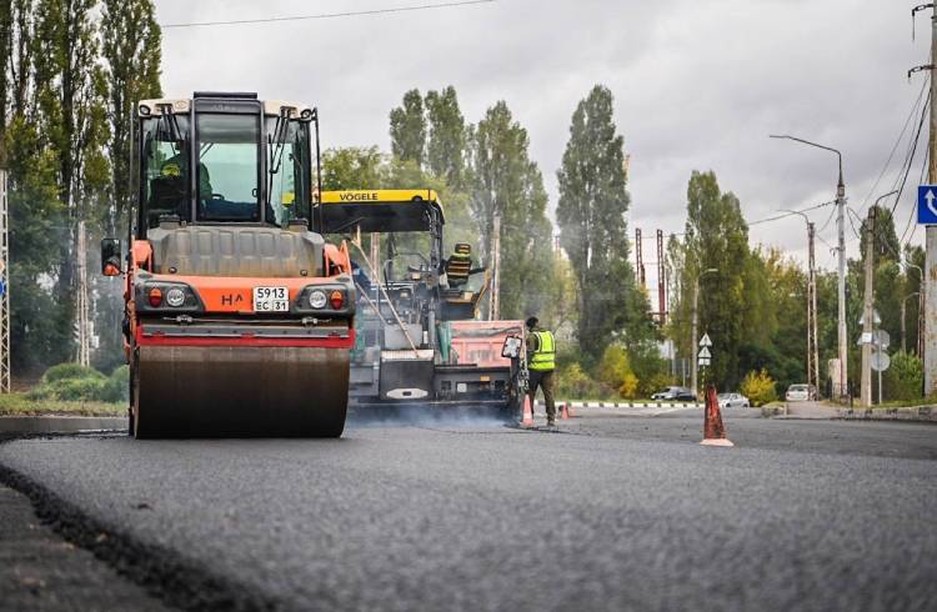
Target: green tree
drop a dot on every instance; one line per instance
(509, 185)
(352, 168)
(758, 387)
(131, 46)
(615, 370)
(131, 50)
(6, 55)
(445, 147)
(70, 97)
(38, 336)
(408, 128)
(717, 238)
(591, 215)
(904, 378)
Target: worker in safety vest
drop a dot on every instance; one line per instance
(459, 265)
(541, 362)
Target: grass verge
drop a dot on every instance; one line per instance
(16, 404)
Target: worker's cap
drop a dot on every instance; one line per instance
(532, 322)
(463, 248)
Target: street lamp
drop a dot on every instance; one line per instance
(839, 387)
(904, 306)
(920, 312)
(694, 340)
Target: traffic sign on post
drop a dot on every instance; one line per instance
(880, 361)
(705, 341)
(927, 204)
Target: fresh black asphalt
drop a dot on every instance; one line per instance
(608, 514)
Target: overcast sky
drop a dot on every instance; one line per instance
(697, 85)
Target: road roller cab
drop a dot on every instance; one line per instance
(239, 316)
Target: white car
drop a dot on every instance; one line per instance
(800, 393)
(733, 400)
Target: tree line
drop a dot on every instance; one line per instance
(71, 69)
(69, 72)
(752, 300)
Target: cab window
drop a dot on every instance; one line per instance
(228, 168)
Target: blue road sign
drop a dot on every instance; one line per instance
(3, 287)
(927, 204)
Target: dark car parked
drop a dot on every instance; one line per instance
(676, 394)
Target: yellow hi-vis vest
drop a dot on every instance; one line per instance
(544, 358)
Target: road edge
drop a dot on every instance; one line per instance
(163, 573)
(58, 424)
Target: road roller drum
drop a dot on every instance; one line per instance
(240, 392)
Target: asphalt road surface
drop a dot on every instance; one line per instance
(611, 513)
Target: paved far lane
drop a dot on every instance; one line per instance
(484, 517)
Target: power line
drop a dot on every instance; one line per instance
(911, 223)
(791, 212)
(399, 9)
(910, 159)
(911, 114)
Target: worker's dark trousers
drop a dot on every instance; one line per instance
(544, 380)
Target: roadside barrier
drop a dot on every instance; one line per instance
(570, 404)
(714, 432)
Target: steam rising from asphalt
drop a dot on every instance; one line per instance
(462, 416)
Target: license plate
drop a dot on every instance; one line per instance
(271, 299)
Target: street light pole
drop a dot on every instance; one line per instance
(920, 309)
(694, 340)
(813, 351)
(840, 387)
(904, 333)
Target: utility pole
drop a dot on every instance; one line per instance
(813, 349)
(4, 286)
(840, 382)
(494, 305)
(639, 257)
(84, 332)
(841, 286)
(930, 240)
(867, 310)
(661, 279)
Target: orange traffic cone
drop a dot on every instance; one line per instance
(714, 433)
(528, 418)
(564, 411)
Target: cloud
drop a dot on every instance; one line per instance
(697, 86)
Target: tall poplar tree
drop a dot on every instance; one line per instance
(445, 147)
(39, 335)
(408, 129)
(593, 231)
(508, 184)
(6, 55)
(131, 46)
(131, 50)
(717, 238)
(70, 92)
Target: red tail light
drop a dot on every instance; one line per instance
(155, 296)
(336, 300)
